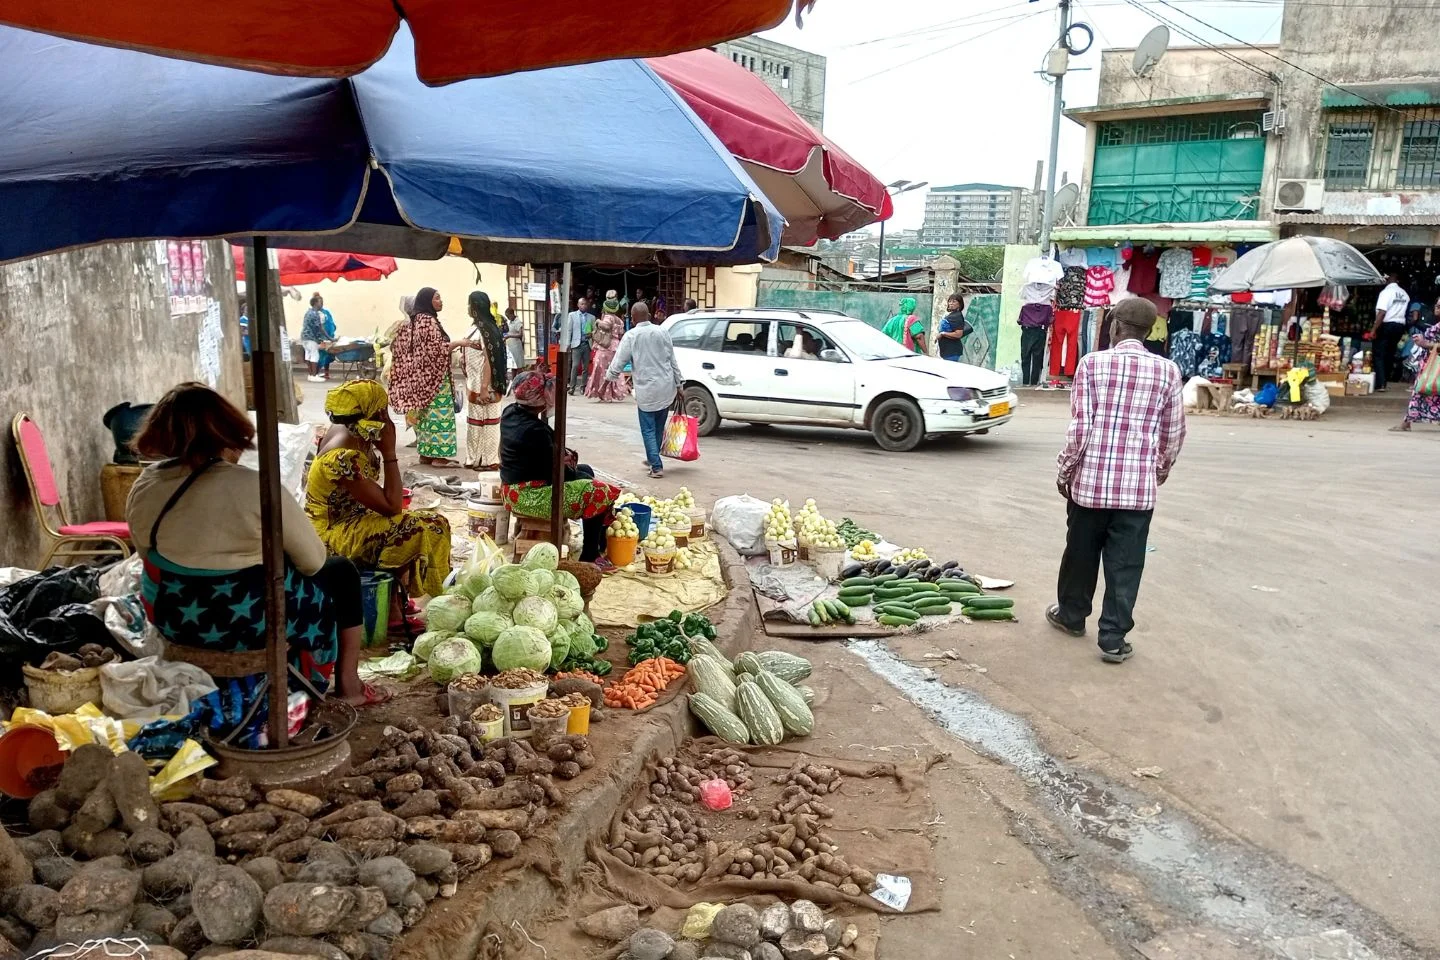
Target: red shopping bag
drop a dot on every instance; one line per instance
(682, 437)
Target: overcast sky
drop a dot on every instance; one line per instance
(919, 90)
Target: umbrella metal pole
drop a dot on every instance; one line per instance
(562, 392)
(266, 371)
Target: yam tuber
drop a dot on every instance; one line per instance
(505, 843)
(307, 805)
(515, 818)
(244, 823)
(130, 787)
(445, 831)
(511, 794)
(239, 787)
(384, 827)
(421, 803)
(353, 811)
(98, 811)
(84, 770)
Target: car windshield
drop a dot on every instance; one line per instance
(865, 342)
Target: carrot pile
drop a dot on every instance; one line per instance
(642, 684)
(580, 675)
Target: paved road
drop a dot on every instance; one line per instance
(1286, 655)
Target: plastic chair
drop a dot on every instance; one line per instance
(99, 539)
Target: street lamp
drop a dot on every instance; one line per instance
(894, 189)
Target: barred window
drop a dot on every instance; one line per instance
(1347, 154)
(1420, 154)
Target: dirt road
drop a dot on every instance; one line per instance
(1285, 660)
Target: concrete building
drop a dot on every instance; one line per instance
(974, 214)
(798, 76)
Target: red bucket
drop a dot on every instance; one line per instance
(30, 761)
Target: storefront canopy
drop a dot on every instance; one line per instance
(109, 144)
(454, 41)
(1216, 232)
(819, 188)
(311, 266)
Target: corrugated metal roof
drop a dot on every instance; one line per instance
(1363, 219)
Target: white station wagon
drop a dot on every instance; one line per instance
(745, 365)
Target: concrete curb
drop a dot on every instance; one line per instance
(455, 929)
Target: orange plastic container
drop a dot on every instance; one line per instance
(621, 550)
(25, 753)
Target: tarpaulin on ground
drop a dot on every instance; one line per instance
(632, 595)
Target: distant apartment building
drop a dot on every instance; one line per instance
(977, 214)
(798, 76)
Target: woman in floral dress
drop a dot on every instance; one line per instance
(1423, 408)
(420, 382)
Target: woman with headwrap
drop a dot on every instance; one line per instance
(604, 341)
(195, 517)
(354, 495)
(527, 464)
(485, 384)
(420, 383)
(906, 328)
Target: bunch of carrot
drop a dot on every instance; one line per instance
(579, 675)
(643, 683)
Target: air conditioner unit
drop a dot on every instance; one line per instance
(1273, 121)
(1299, 194)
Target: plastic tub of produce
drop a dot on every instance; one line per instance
(697, 523)
(466, 693)
(548, 721)
(782, 552)
(660, 562)
(642, 514)
(515, 692)
(621, 550)
(828, 563)
(490, 721)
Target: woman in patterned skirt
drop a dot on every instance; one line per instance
(355, 499)
(420, 383)
(1424, 407)
(485, 384)
(527, 462)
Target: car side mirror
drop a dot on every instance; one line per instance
(831, 355)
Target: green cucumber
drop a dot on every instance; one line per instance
(814, 617)
(935, 610)
(923, 586)
(924, 602)
(856, 592)
(909, 616)
(958, 586)
(989, 603)
(893, 621)
(888, 593)
(841, 610)
(973, 614)
(880, 578)
(857, 582)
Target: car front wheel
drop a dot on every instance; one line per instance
(700, 405)
(898, 425)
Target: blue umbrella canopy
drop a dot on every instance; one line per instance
(596, 162)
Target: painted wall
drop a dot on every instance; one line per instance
(363, 307)
(736, 286)
(1007, 338)
(871, 306)
(1182, 72)
(90, 329)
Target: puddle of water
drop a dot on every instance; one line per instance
(1226, 884)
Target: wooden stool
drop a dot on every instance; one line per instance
(528, 532)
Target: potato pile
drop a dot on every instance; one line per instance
(796, 848)
(675, 778)
(663, 840)
(338, 877)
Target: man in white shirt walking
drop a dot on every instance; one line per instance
(1390, 308)
(656, 374)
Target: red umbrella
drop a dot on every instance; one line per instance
(312, 266)
(818, 187)
(453, 40)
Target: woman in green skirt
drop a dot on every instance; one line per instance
(420, 382)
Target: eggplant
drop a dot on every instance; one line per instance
(851, 570)
(950, 564)
(882, 566)
(931, 574)
(901, 571)
(920, 564)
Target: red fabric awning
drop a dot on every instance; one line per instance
(312, 266)
(453, 40)
(821, 190)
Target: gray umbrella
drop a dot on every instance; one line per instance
(1298, 262)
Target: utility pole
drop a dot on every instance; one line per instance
(1056, 64)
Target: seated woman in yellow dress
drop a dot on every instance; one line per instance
(354, 495)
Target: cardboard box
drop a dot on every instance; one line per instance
(1357, 388)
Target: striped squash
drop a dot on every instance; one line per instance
(795, 716)
(807, 693)
(718, 720)
(786, 666)
(758, 714)
(709, 677)
(700, 645)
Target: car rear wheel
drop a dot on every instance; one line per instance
(898, 425)
(700, 405)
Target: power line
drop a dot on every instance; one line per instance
(933, 28)
(1260, 71)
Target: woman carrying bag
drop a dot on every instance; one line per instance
(1424, 406)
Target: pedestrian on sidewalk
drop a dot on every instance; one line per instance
(1127, 424)
(954, 329)
(312, 334)
(582, 326)
(515, 340)
(1389, 330)
(656, 374)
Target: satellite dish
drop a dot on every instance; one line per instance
(1063, 206)
(1150, 50)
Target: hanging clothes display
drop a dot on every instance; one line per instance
(1073, 257)
(1245, 319)
(1100, 257)
(1090, 320)
(1070, 291)
(1184, 341)
(1175, 266)
(1144, 271)
(1121, 290)
(1099, 282)
(1065, 343)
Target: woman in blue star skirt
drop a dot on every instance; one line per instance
(195, 519)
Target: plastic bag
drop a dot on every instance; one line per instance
(741, 520)
(122, 579)
(1190, 393)
(699, 920)
(682, 438)
(39, 596)
(715, 794)
(70, 627)
(125, 618)
(297, 442)
(150, 688)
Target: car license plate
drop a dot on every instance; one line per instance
(999, 409)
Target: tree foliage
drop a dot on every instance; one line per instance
(981, 264)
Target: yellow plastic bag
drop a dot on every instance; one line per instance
(86, 724)
(176, 780)
(699, 920)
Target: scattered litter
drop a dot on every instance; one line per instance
(1151, 772)
(1264, 589)
(892, 891)
(876, 708)
(1149, 549)
(1148, 813)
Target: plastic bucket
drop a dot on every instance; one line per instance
(59, 692)
(642, 514)
(30, 761)
(463, 701)
(682, 539)
(828, 563)
(516, 702)
(621, 550)
(697, 524)
(782, 552)
(579, 722)
(375, 591)
(659, 563)
(483, 518)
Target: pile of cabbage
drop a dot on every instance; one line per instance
(526, 614)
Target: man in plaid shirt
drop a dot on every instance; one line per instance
(1127, 423)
